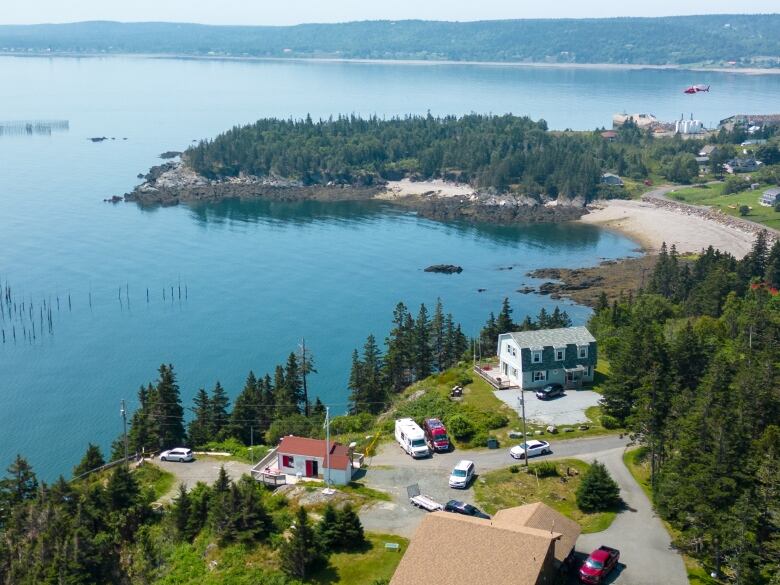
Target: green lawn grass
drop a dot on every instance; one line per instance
(636, 462)
(503, 489)
(151, 476)
(362, 568)
(713, 196)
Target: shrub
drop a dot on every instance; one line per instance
(609, 422)
(351, 423)
(461, 427)
(597, 491)
(546, 469)
(734, 185)
(744, 210)
(464, 379)
(495, 420)
(514, 468)
(430, 404)
(295, 424)
(480, 439)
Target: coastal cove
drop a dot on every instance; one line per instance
(255, 276)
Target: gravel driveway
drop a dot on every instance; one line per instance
(205, 469)
(568, 409)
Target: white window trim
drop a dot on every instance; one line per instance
(563, 354)
(534, 353)
(542, 376)
(582, 351)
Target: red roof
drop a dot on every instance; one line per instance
(303, 447)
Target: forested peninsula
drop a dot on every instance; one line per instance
(516, 170)
(704, 40)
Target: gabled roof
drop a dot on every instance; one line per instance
(452, 548)
(542, 517)
(553, 337)
(303, 447)
(772, 192)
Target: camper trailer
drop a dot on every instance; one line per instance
(411, 438)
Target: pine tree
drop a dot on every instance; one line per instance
(92, 459)
(245, 415)
(350, 530)
(294, 382)
(285, 402)
(20, 484)
(597, 490)
(199, 429)
(356, 384)
(504, 322)
(121, 490)
(438, 337)
(219, 417)
(398, 356)
(300, 553)
(603, 302)
(772, 274)
(182, 508)
(423, 354)
(328, 529)
(222, 483)
(253, 522)
(167, 414)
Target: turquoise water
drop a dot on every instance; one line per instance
(255, 276)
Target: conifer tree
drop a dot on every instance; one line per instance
(438, 337)
(350, 529)
(300, 553)
(20, 484)
(772, 274)
(219, 416)
(122, 489)
(92, 459)
(504, 322)
(245, 415)
(167, 414)
(253, 522)
(423, 355)
(199, 430)
(597, 490)
(397, 361)
(328, 529)
(182, 514)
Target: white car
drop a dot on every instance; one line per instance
(179, 454)
(534, 448)
(462, 474)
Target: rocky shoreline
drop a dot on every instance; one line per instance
(172, 183)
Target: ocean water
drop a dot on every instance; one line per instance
(235, 286)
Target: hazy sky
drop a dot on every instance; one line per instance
(297, 11)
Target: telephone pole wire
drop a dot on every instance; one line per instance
(123, 411)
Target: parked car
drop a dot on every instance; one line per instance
(599, 564)
(436, 435)
(462, 474)
(549, 391)
(459, 507)
(534, 448)
(180, 454)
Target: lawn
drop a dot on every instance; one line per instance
(712, 195)
(362, 568)
(637, 463)
(503, 489)
(151, 476)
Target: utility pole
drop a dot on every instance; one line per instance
(303, 371)
(327, 447)
(123, 411)
(521, 400)
(252, 444)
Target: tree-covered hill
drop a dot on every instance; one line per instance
(712, 39)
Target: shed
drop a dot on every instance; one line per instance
(309, 458)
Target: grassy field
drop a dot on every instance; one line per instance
(362, 568)
(151, 476)
(504, 489)
(636, 462)
(713, 196)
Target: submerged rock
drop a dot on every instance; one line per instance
(444, 269)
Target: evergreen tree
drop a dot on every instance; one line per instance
(245, 416)
(772, 275)
(328, 529)
(182, 519)
(349, 529)
(423, 354)
(504, 322)
(167, 414)
(199, 428)
(122, 489)
(438, 337)
(300, 553)
(597, 490)
(357, 396)
(19, 485)
(294, 382)
(397, 363)
(92, 459)
(219, 416)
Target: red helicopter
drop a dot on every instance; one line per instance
(697, 89)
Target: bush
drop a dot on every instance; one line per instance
(744, 210)
(609, 422)
(480, 439)
(495, 420)
(514, 468)
(461, 427)
(295, 424)
(430, 404)
(546, 469)
(351, 423)
(734, 185)
(597, 491)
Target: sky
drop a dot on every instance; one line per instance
(264, 12)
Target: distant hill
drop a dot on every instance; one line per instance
(749, 40)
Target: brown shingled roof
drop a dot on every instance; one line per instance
(543, 517)
(451, 548)
(292, 445)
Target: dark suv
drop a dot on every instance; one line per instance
(549, 391)
(465, 509)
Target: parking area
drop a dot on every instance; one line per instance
(203, 468)
(568, 409)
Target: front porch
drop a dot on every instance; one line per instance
(574, 377)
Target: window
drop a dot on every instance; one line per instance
(514, 372)
(288, 461)
(508, 349)
(582, 351)
(540, 376)
(536, 356)
(514, 351)
(560, 353)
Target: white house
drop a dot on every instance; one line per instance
(532, 359)
(309, 458)
(771, 197)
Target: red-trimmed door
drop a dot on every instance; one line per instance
(311, 468)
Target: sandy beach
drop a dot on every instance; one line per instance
(651, 225)
(437, 187)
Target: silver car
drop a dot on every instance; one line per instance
(179, 454)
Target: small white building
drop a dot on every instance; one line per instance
(532, 359)
(771, 197)
(309, 458)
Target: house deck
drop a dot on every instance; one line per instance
(490, 374)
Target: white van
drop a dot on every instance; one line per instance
(411, 438)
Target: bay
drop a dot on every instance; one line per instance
(255, 277)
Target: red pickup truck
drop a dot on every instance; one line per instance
(599, 564)
(436, 435)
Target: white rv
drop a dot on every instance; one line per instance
(411, 437)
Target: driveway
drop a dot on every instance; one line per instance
(645, 547)
(646, 553)
(205, 469)
(568, 409)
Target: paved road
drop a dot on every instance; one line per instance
(646, 553)
(205, 469)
